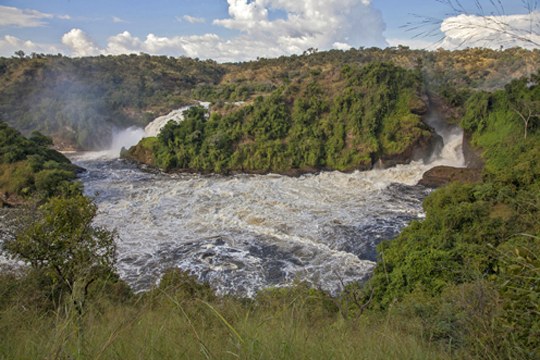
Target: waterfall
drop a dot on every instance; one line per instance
(125, 139)
(450, 152)
(157, 124)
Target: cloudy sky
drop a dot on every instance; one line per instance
(233, 30)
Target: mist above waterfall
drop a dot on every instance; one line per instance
(449, 150)
(125, 139)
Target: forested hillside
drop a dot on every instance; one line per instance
(342, 120)
(78, 102)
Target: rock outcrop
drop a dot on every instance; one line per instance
(442, 175)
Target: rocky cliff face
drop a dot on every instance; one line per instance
(473, 157)
(442, 175)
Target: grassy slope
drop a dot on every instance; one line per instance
(185, 321)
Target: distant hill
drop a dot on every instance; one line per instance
(79, 101)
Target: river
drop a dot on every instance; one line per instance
(243, 233)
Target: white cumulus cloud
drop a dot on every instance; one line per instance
(192, 46)
(9, 44)
(12, 16)
(80, 44)
(265, 28)
(308, 24)
(331, 24)
(469, 30)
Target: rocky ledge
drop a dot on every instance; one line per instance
(442, 175)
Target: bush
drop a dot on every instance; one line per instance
(51, 183)
(28, 167)
(63, 245)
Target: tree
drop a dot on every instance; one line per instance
(527, 112)
(63, 245)
(20, 54)
(41, 140)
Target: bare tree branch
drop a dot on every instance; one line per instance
(526, 115)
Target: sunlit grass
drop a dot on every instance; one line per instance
(170, 326)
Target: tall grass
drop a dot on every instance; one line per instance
(164, 325)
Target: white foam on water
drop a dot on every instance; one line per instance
(246, 232)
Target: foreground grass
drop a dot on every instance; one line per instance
(166, 325)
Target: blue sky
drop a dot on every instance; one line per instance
(231, 30)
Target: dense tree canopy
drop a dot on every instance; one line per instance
(371, 112)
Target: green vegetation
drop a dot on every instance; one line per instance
(471, 269)
(462, 283)
(371, 112)
(184, 320)
(62, 246)
(30, 169)
(68, 260)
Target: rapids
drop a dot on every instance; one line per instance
(243, 233)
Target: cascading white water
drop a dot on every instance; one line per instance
(243, 233)
(451, 153)
(155, 126)
(129, 137)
